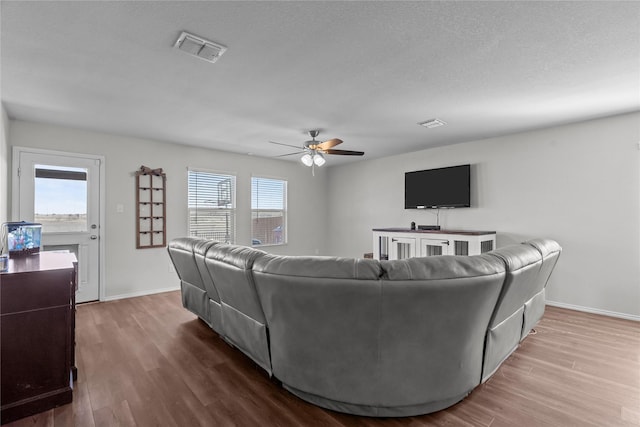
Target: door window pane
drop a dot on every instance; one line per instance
(60, 202)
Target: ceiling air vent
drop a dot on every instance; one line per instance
(433, 123)
(199, 47)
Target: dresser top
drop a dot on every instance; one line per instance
(460, 232)
(42, 261)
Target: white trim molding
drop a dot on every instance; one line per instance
(15, 201)
(594, 310)
(141, 293)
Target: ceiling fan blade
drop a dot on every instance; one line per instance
(286, 145)
(327, 144)
(344, 152)
(290, 154)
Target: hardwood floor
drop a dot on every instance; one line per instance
(148, 362)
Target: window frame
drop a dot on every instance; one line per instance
(233, 202)
(284, 210)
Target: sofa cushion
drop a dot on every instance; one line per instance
(238, 256)
(441, 267)
(319, 266)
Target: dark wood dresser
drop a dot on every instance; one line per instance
(37, 333)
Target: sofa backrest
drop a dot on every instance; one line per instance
(323, 315)
(200, 249)
(534, 308)
(381, 338)
(523, 263)
(194, 293)
(243, 322)
(435, 312)
(182, 256)
(550, 251)
(349, 328)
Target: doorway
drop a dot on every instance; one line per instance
(63, 192)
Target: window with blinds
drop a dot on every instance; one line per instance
(212, 208)
(268, 211)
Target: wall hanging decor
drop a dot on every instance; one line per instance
(151, 208)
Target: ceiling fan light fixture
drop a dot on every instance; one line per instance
(313, 151)
(319, 159)
(307, 159)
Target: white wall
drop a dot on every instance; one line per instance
(578, 184)
(4, 156)
(131, 271)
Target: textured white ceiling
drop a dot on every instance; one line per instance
(365, 72)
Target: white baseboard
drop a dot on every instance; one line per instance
(141, 293)
(594, 310)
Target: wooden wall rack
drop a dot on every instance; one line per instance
(151, 208)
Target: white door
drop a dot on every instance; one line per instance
(61, 191)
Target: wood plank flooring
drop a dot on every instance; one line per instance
(148, 362)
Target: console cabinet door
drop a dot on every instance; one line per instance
(434, 247)
(402, 247)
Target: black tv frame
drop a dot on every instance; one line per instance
(436, 176)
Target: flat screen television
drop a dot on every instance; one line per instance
(448, 187)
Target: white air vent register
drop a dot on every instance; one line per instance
(199, 47)
(433, 123)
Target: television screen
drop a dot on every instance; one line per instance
(438, 188)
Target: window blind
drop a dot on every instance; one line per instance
(268, 211)
(211, 202)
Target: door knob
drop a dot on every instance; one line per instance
(93, 237)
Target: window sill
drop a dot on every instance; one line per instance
(266, 245)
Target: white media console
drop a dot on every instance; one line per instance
(400, 243)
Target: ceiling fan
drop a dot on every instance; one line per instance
(313, 151)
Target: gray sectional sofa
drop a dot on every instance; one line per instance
(368, 337)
